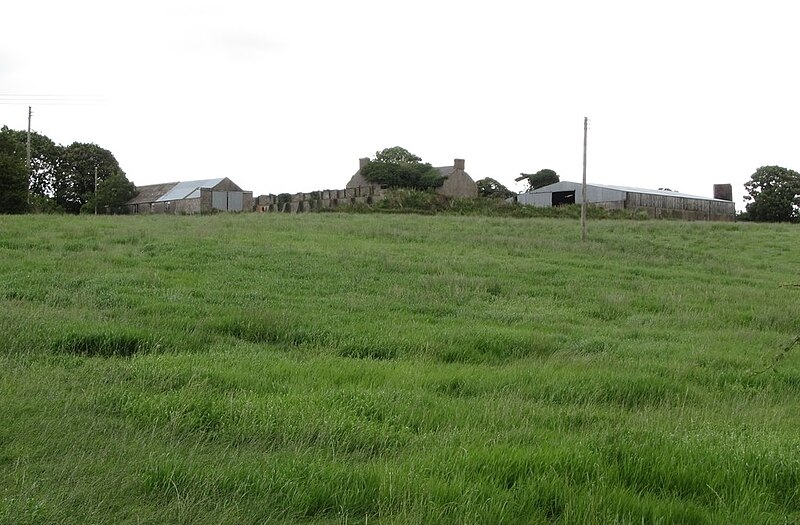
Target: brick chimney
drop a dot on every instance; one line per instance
(458, 164)
(723, 192)
(363, 162)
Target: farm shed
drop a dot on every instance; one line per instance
(194, 196)
(457, 182)
(656, 203)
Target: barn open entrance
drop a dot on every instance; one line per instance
(563, 197)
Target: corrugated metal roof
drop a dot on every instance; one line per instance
(151, 193)
(666, 193)
(188, 189)
(630, 189)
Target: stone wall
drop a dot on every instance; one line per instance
(185, 206)
(319, 200)
(206, 196)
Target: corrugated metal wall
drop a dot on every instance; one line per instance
(594, 195)
(227, 200)
(219, 200)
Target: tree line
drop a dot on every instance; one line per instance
(61, 178)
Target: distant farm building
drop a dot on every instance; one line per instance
(457, 182)
(656, 203)
(194, 196)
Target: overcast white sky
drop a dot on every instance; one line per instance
(285, 96)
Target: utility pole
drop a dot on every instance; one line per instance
(95, 190)
(28, 151)
(30, 114)
(583, 187)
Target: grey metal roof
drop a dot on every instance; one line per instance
(630, 189)
(188, 189)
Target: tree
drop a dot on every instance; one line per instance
(111, 195)
(492, 189)
(396, 155)
(13, 176)
(773, 195)
(46, 158)
(539, 179)
(75, 185)
(398, 168)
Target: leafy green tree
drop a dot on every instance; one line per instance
(539, 179)
(773, 195)
(490, 188)
(398, 168)
(13, 176)
(76, 184)
(111, 195)
(42, 204)
(46, 159)
(396, 155)
(63, 178)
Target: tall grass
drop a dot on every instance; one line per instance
(397, 369)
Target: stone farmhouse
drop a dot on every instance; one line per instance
(457, 182)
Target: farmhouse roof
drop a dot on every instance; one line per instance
(445, 171)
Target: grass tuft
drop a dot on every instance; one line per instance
(105, 344)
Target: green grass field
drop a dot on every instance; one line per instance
(335, 368)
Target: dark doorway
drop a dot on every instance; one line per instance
(563, 197)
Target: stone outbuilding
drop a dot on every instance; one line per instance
(189, 197)
(457, 182)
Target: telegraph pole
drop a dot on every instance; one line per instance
(28, 151)
(95, 190)
(30, 114)
(583, 187)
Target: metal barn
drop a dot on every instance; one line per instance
(656, 203)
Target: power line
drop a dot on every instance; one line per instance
(19, 99)
(49, 95)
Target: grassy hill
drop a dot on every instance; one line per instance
(397, 369)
